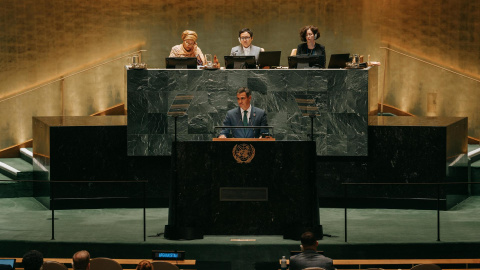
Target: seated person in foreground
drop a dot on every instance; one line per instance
(309, 256)
(245, 37)
(81, 260)
(309, 34)
(32, 260)
(188, 48)
(244, 115)
(144, 265)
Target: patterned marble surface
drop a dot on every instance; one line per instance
(341, 98)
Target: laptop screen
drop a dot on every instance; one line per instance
(240, 62)
(269, 59)
(6, 264)
(181, 62)
(338, 60)
(304, 61)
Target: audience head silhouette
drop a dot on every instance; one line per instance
(81, 260)
(32, 260)
(309, 241)
(144, 265)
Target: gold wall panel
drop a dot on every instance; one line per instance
(44, 39)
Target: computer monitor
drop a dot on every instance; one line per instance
(269, 59)
(240, 62)
(339, 60)
(168, 255)
(181, 62)
(7, 263)
(306, 61)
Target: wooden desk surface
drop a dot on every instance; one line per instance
(120, 261)
(402, 261)
(406, 261)
(243, 139)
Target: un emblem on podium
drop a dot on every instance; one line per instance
(243, 153)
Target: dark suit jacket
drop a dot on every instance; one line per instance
(258, 117)
(302, 49)
(310, 258)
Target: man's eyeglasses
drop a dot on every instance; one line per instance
(245, 38)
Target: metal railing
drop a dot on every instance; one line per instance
(53, 198)
(62, 78)
(437, 185)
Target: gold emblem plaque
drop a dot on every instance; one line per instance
(243, 153)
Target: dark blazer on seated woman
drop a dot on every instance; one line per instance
(303, 49)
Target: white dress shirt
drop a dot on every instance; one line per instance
(249, 110)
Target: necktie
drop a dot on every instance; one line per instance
(245, 118)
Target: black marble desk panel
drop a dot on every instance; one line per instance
(406, 150)
(344, 99)
(93, 148)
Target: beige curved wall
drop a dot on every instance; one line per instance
(45, 39)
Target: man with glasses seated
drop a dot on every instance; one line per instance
(245, 37)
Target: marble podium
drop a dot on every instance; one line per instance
(215, 193)
(343, 98)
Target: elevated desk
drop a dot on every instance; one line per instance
(342, 99)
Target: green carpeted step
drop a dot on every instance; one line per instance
(16, 168)
(4, 177)
(472, 147)
(12, 189)
(26, 154)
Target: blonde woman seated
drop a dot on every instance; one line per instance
(188, 48)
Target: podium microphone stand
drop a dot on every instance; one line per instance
(307, 105)
(174, 231)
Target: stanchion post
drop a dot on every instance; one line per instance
(52, 206)
(345, 202)
(438, 211)
(144, 211)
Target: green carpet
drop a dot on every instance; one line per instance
(118, 233)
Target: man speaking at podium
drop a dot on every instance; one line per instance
(244, 115)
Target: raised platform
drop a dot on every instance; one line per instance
(405, 150)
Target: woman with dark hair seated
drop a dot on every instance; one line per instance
(309, 34)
